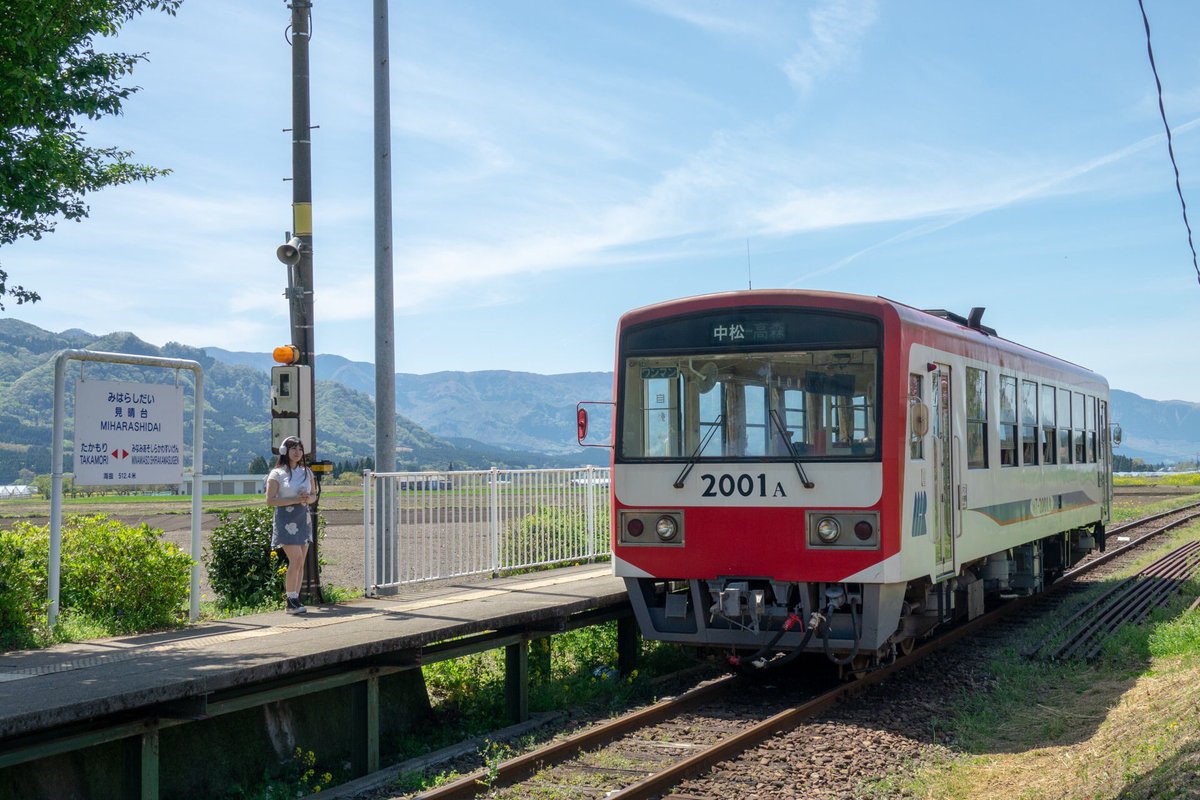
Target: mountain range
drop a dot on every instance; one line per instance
(525, 427)
(465, 420)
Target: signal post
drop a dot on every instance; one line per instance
(293, 393)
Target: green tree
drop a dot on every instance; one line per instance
(259, 466)
(52, 78)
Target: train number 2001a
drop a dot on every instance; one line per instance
(745, 485)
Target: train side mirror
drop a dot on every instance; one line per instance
(1116, 435)
(598, 432)
(918, 414)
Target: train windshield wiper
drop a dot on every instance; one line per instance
(791, 448)
(691, 462)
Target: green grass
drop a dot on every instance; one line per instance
(1123, 726)
(1191, 479)
(567, 671)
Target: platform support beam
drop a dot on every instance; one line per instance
(516, 680)
(366, 721)
(149, 762)
(628, 644)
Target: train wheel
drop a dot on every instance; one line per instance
(905, 645)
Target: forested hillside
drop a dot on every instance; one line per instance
(236, 415)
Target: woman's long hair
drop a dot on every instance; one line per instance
(284, 461)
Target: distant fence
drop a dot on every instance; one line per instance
(425, 526)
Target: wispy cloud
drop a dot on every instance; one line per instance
(718, 18)
(1034, 187)
(836, 30)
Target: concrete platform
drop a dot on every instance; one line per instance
(149, 675)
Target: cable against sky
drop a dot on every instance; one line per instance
(1170, 148)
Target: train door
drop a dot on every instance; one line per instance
(1104, 455)
(944, 464)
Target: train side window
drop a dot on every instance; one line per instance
(1091, 429)
(916, 395)
(1077, 439)
(1029, 421)
(1049, 429)
(1008, 421)
(1064, 426)
(976, 418)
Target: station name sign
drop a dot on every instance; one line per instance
(128, 433)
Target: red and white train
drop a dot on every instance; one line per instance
(797, 470)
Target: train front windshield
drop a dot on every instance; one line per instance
(818, 405)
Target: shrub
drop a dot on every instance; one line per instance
(127, 577)
(554, 534)
(242, 567)
(23, 601)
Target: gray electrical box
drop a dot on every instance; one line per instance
(291, 388)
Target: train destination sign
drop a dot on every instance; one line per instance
(741, 332)
(128, 433)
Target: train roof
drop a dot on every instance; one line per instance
(968, 330)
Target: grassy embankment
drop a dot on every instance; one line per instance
(1126, 726)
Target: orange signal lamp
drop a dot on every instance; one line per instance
(286, 354)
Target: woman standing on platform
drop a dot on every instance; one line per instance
(290, 491)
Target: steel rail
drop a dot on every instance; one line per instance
(1149, 590)
(1092, 564)
(523, 766)
(1109, 555)
(1110, 593)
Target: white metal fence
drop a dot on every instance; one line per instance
(424, 526)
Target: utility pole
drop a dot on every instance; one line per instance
(302, 291)
(300, 284)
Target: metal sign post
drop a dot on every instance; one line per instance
(149, 451)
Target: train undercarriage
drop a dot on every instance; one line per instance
(764, 622)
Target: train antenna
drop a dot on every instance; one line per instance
(749, 275)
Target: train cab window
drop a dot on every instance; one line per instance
(1008, 421)
(1029, 421)
(976, 418)
(916, 395)
(1090, 410)
(778, 405)
(1049, 429)
(754, 399)
(795, 417)
(1064, 426)
(1078, 443)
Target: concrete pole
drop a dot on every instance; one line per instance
(385, 347)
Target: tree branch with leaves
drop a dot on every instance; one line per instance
(52, 79)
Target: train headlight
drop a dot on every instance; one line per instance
(666, 528)
(651, 527)
(828, 530)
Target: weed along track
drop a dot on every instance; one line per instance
(784, 734)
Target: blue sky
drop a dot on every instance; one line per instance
(558, 163)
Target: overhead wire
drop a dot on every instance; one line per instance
(1170, 148)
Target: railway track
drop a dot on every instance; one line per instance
(650, 752)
